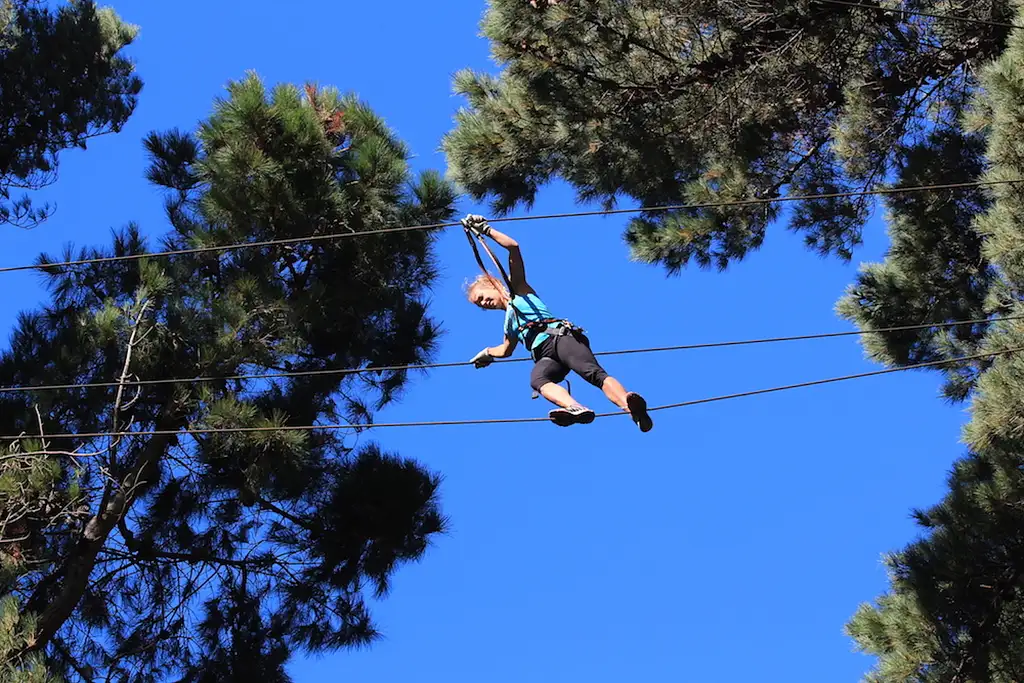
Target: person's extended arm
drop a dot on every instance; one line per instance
(502, 350)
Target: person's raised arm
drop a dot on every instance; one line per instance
(516, 266)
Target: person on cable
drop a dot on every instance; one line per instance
(556, 346)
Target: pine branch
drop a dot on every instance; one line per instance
(79, 564)
(87, 674)
(202, 557)
(133, 341)
(297, 521)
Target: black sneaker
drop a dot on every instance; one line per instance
(577, 414)
(638, 410)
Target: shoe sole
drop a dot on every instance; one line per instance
(638, 410)
(563, 418)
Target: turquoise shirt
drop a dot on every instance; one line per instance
(522, 309)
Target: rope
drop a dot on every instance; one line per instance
(436, 226)
(432, 366)
(519, 420)
(830, 380)
(950, 17)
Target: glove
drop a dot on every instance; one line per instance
(476, 224)
(482, 359)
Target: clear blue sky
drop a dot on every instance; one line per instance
(730, 544)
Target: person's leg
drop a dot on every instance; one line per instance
(575, 352)
(615, 392)
(569, 412)
(546, 374)
(557, 394)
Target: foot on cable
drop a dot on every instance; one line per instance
(638, 410)
(577, 414)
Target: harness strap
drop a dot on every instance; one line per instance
(480, 261)
(535, 328)
(544, 321)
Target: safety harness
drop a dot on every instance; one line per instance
(556, 327)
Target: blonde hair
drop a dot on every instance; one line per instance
(486, 280)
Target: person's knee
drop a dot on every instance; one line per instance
(595, 374)
(544, 388)
(546, 371)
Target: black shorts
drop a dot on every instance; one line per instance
(556, 356)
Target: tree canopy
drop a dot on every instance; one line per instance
(64, 79)
(692, 101)
(216, 556)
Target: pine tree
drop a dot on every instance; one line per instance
(955, 610)
(63, 80)
(216, 556)
(935, 270)
(692, 101)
